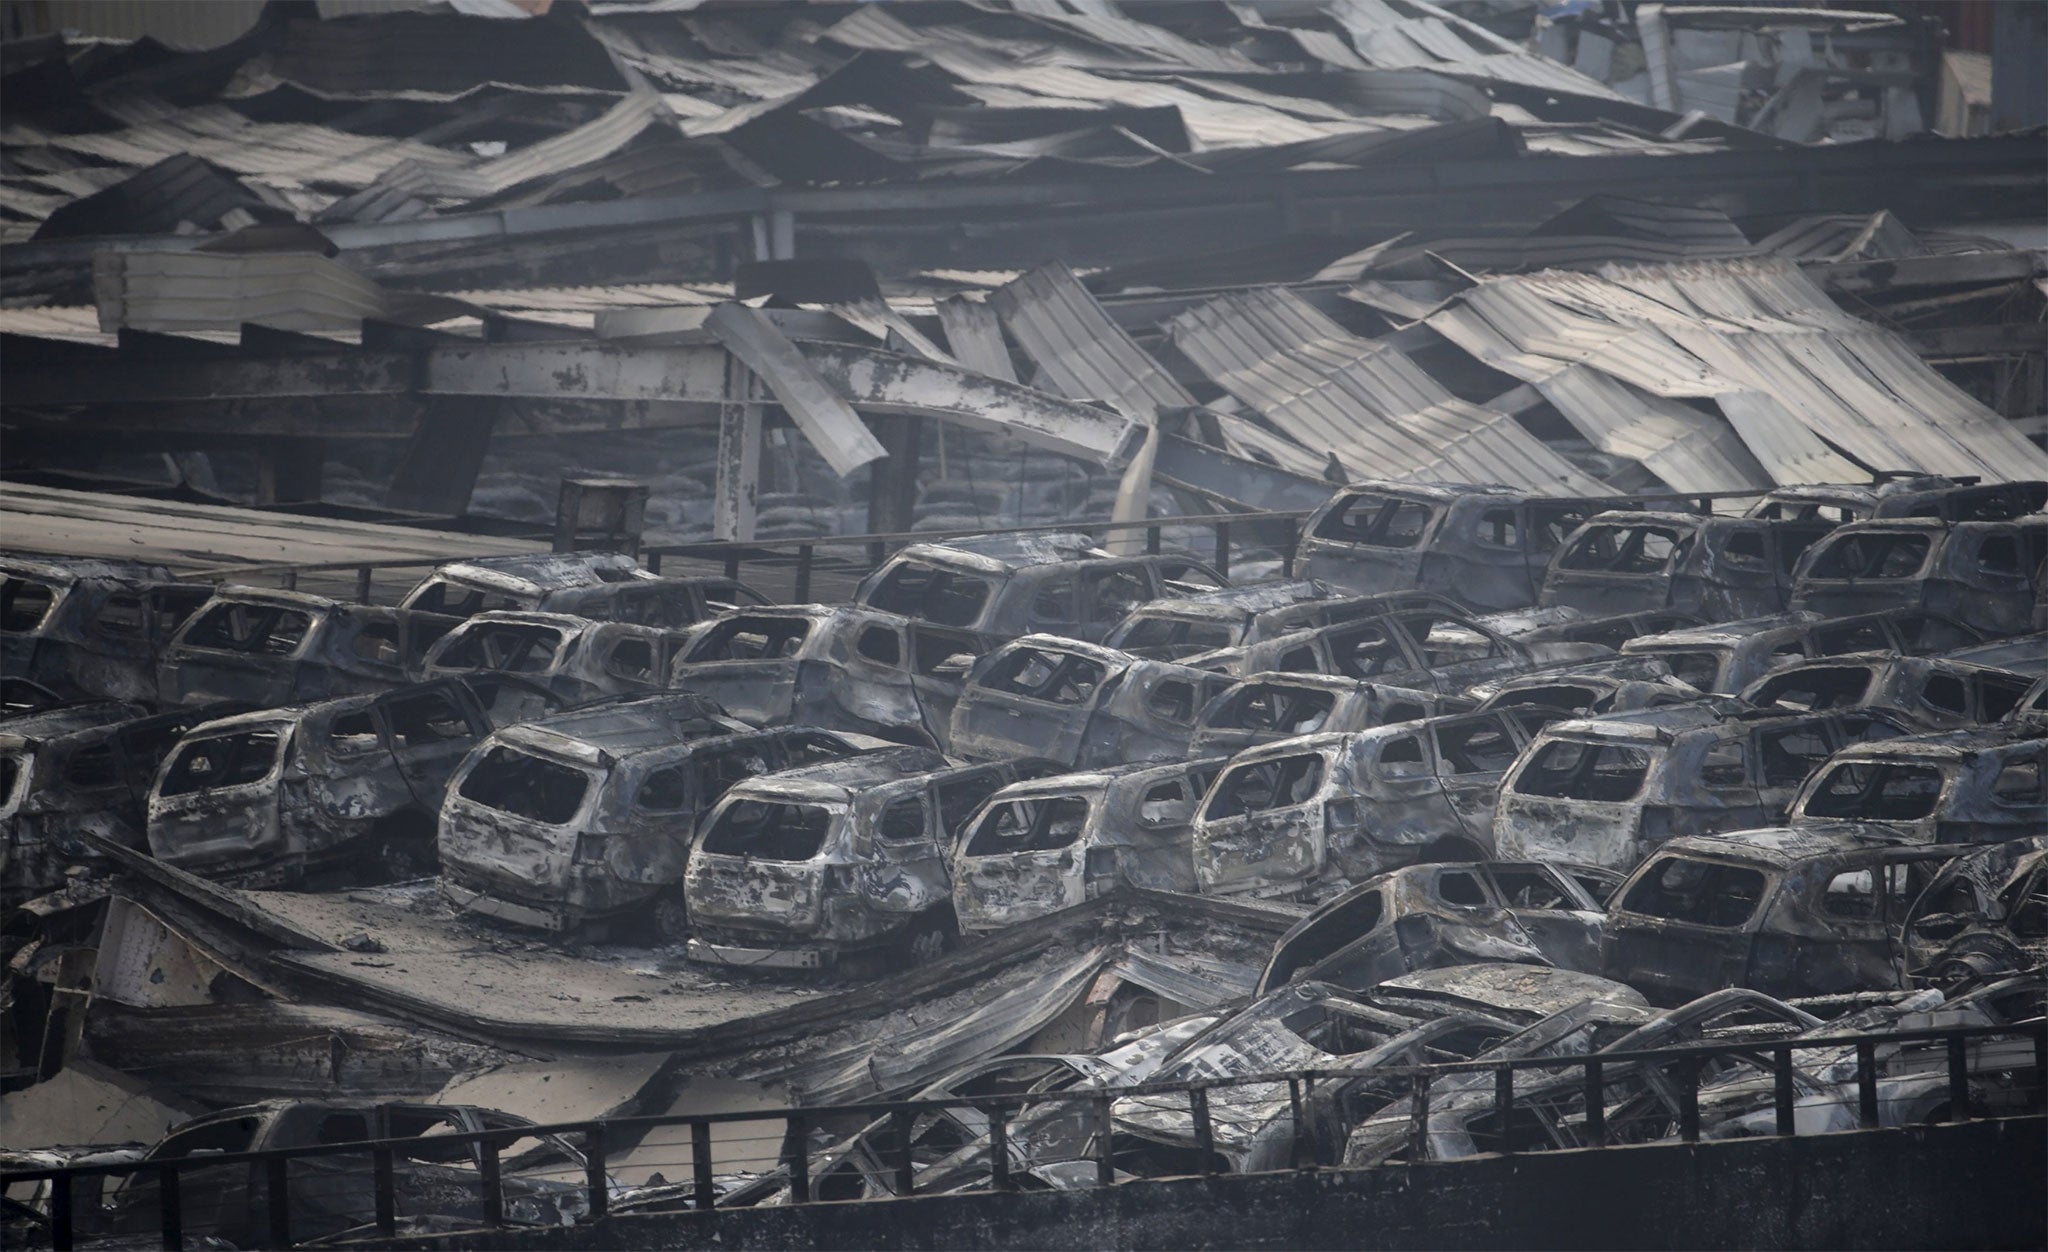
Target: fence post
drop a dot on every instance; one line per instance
(60, 1212)
(596, 1176)
(801, 594)
(1504, 1104)
(1958, 1079)
(906, 1176)
(1105, 1143)
(170, 1206)
(1418, 1121)
(732, 563)
(289, 580)
(384, 1185)
(1866, 1083)
(1294, 1106)
(998, 1147)
(491, 1182)
(700, 1165)
(1205, 1133)
(1689, 1099)
(800, 1163)
(1781, 1075)
(1152, 540)
(277, 1179)
(653, 561)
(1596, 1105)
(1223, 548)
(363, 575)
(1288, 553)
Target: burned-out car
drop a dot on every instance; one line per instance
(90, 630)
(1980, 573)
(1717, 567)
(1729, 656)
(1266, 707)
(1409, 644)
(1985, 915)
(1320, 811)
(81, 768)
(1622, 685)
(1078, 704)
(1560, 624)
(1485, 546)
(263, 647)
(844, 667)
(1788, 912)
(574, 657)
(1904, 495)
(1934, 693)
(1426, 916)
(1604, 791)
(835, 863)
(589, 816)
(1052, 843)
(1004, 586)
(1177, 627)
(541, 1181)
(512, 583)
(346, 787)
(1959, 786)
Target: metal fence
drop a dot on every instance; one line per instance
(1581, 1095)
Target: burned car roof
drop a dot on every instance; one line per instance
(1948, 744)
(1525, 989)
(1782, 846)
(2022, 654)
(997, 553)
(43, 725)
(1723, 632)
(1439, 492)
(538, 573)
(1669, 721)
(847, 777)
(1236, 602)
(627, 727)
(73, 569)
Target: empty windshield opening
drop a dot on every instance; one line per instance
(1877, 791)
(932, 594)
(1835, 687)
(1289, 711)
(1626, 549)
(459, 600)
(1175, 635)
(769, 831)
(262, 629)
(223, 761)
(1875, 554)
(1578, 770)
(751, 638)
(1377, 521)
(12, 769)
(1037, 825)
(508, 647)
(527, 786)
(1704, 893)
(1701, 669)
(1335, 928)
(24, 603)
(1262, 785)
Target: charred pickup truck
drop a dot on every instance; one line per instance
(1078, 704)
(1004, 586)
(1485, 546)
(1605, 791)
(1266, 707)
(265, 648)
(1786, 912)
(1428, 916)
(90, 630)
(1718, 567)
(1930, 692)
(602, 586)
(1052, 843)
(846, 668)
(1980, 573)
(588, 816)
(1175, 628)
(80, 768)
(346, 787)
(838, 864)
(574, 657)
(1727, 657)
(1959, 786)
(1312, 814)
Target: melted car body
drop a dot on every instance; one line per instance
(1422, 646)
(1174, 628)
(1980, 573)
(1960, 786)
(1076, 703)
(1266, 707)
(90, 630)
(574, 657)
(511, 583)
(1933, 693)
(1729, 656)
(266, 648)
(1717, 567)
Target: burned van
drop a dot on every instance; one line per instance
(836, 863)
(1078, 704)
(90, 630)
(514, 583)
(1307, 816)
(1718, 567)
(1430, 916)
(262, 647)
(1930, 692)
(574, 657)
(1052, 843)
(588, 817)
(848, 668)
(1980, 573)
(1785, 912)
(1960, 786)
(1486, 546)
(1729, 656)
(1605, 791)
(83, 768)
(1418, 646)
(1004, 586)
(1174, 628)
(344, 789)
(1266, 707)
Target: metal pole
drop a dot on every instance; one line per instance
(1223, 548)
(906, 1176)
(170, 1206)
(491, 1182)
(1689, 1099)
(802, 593)
(1205, 1134)
(800, 1163)
(700, 1165)
(1866, 1083)
(1958, 1079)
(278, 1180)
(60, 1213)
(1596, 1105)
(1781, 1073)
(1504, 1105)
(595, 1176)
(998, 1147)
(1418, 1121)
(384, 1184)
(1105, 1143)
(1294, 1105)
(363, 576)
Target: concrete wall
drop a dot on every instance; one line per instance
(1979, 1185)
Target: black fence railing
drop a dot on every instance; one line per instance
(1864, 1081)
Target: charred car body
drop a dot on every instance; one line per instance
(1267, 707)
(1485, 546)
(574, 657)
(1980, 573)
(589, 816)
(1984, 915)
(90, 630)
(1048, 844)
(807, 868)
(1931, 692)
(1717, 567)
(848, 668)
(1078, 704)
(1605, 791)
(1175, 628)
(1961, 786)
(283, 795)
(268, 648)
(1410, 644)
(1727, 657)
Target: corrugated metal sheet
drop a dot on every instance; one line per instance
(1084, 354)
(183, 291)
